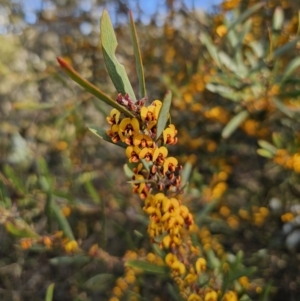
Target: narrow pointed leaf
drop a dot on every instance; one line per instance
(101, 133)
(268, 146)
(174, 292)
(115, 70)
(227, 61)
(68, 260)
(278, 18)
(100, 282)
(49, 292)
(163, 114)
(138, 233)
(20, 229)
(211, 48)
(234, 123)
(62, 221)
(291, 67)
(138, 57)
(224, 91)
(186, 172)
(15, 180)
(284, 109)
(128, 171)
(246, 29)
(73, 74)
(241, 272)
(205, 212)
(265, 153)
(147, 267)
(265, 296)
(246, 14)
(285, 48)
(146, 164)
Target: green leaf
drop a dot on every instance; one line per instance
(246, 15)
(101, 133)
(163, 114)
(15, 180)
(206, 40)
(265, 295)
(91, 88)
(227, 61)
(290, 68)
(292, 94)
(224, 91)
(20, 229)
(159, 238)
(278, 18)
(62, 221)
(158, 251)
(146, 164)
(5, 200)
(68, 260)
(245, 297)
(92, 191)
(277, 140)
(285, 48)
(43, 168)
(49, 292)
(31, 105)
(205, 211)
(236, 274)
(100, 282)
(174, 292)
(265, 153)
(186, 172)
(283, 108)
(128, 171)
(147, 267)
(138, 57)
(138, 233)
(234, 123)
(268, 146)
(213, 260)
(115, 70)
(245, 30)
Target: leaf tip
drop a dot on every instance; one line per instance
(131, 15)
(62, 62)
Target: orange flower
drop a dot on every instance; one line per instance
(114, 117)
(151, 113)
(170, 259)
(139, 187)
(169, 135)
(170, 164)
(132, 152)
(127, 128)
(200, 265)
(114, 133)
(178, 267)
(142, 140)
(160, 154)
(146, 153)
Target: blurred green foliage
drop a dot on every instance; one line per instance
(234, 75)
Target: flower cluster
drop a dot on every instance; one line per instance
(156, 178)
(284, 158)
(155, 169)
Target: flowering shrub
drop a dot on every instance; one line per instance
(145, 131)
(211, 211)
